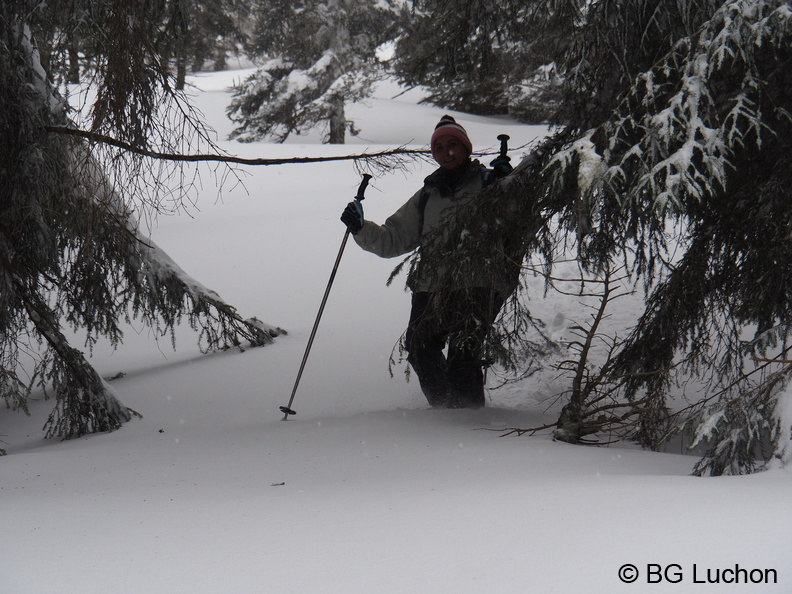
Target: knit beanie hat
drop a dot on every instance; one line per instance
(448, 126)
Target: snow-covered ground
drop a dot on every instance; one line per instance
(366, 490)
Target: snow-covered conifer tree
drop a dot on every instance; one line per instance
(487, 56)
(702, 137)
(216, 31)
(674, 157)
(320, 55)
(73, 253)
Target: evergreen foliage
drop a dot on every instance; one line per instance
(746, 429)
(677, 125)
(184, 33)
(72, 253)
(320, 55)
(217, 30)
(674, 129)
(489, 57)
(703, 137)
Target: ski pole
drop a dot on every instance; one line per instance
(288, 410)
(504, 149)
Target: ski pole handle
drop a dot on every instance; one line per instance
(504, 148)
(362, 187)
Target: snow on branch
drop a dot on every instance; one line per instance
(161, 286)
(671, 140)
(747, 431)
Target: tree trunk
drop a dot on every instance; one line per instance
(73, 76)
(181, 73)
(337, 122)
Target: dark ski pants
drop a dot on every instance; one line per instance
(461, 321)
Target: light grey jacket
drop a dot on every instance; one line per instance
(425, 211)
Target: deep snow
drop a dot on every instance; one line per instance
(366, 489)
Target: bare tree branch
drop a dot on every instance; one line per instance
(377, 158)
(104, 139)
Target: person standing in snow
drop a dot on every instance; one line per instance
(458, 317)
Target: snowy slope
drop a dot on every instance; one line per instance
(365, 490)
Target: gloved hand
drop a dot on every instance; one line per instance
(352, 216)
(501, 167)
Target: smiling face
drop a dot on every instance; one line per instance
(449, 152)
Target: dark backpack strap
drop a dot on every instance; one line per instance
(488, 177)
(422, 200)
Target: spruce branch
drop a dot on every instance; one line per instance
(72, 253)
(223, 158)
(743, 431)
(379, 161)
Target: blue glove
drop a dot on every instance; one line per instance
(501, 167)
(352, 216)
